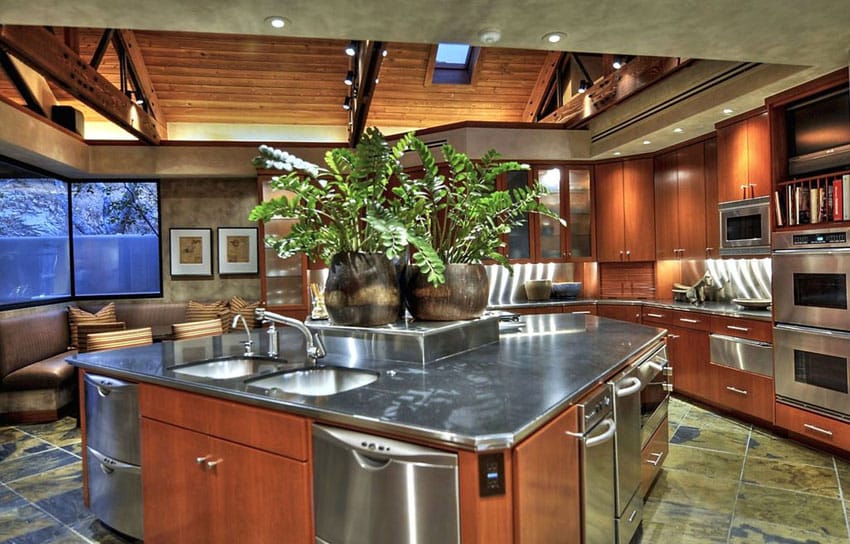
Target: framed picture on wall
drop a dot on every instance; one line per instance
(237, 250)
(191, 252)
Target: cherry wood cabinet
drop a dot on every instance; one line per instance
(625, 211)
(742, 392)
(652, 457)
(547, 493)
(813, 427)
(680, 201)
(623, 312)
(217, 471)
(689, 354)
(751, 329)
(712, 212)
(743, 156)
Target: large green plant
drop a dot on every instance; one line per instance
(461, 214)
(343, 206)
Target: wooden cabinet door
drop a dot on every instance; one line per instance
(623, 312)
(691, 201)
(758, 154)
(258, 496)
(548, 500)
(610, 233)
(712, 212)
(639, 210)
(743, 392)
(175, 487)
(688, 352)
(666, 206)
(732, 169)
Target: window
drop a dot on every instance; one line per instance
(116, 238)
(453, 63)
(34, 250)
(112, 228)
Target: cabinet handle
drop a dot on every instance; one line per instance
(628, 253)
(658, 457)
(658, 316)
(667, 387)
(581, 312)
(201, 460)
(686, 320)
(212, 464)
(817, 429)
(736, 390)
(736, 328)
(673, 336)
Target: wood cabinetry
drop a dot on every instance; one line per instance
(623, 312)
(625, 211)
(750, 329)
(680, 203)
(688, 353)
(813, 427)
(652, 457)
(548, 475)
(216, 471)
(556, 309)
(712, 211)
(743, 156)
(742, 392)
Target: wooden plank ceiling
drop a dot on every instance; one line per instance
(215, 78)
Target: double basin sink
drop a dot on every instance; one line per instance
(269, 376)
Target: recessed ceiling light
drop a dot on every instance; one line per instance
(553, 37)
(490, 36)
(728, 111)
(646, 142)
(678, 130)
(276, 21)
(618, 153)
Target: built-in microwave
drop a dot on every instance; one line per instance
(745, 226)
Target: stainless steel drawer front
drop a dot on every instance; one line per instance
(112, 418)
(742, 354)
(373, 490)
(115, 490)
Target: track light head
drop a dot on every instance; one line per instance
(349, 78)
(351, 48)
(618, 63)
(583, 86)
(346, 104)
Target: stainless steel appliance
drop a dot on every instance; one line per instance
(411, 492)
(810, 278)
(742, 354)
(813, 368)
(654, 372)
(745, 226)
(114, 455)
(596, 433)
(629, 503)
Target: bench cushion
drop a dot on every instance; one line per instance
(47, 374)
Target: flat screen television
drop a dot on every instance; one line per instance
(819, 132)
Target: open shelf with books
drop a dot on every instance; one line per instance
(817, 199)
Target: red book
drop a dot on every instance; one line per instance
(837, 200)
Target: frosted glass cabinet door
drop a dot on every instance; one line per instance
(549, 237)
(284, 282)
(519, 241)
(580, 218)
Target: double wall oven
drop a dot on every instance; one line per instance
(811, 279)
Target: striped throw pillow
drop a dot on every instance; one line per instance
(78, 315)
(239, 306)
(198, 311)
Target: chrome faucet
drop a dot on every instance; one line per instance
(315, 348)
(247, 343)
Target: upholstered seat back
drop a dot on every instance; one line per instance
(29, 337)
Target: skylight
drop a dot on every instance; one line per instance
(453, 63)
(453, 55)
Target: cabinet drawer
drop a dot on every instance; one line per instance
(690, 320)
(652, 457)
(580, 309)
(751, 329)
(655, 316)
(822, 429)
(743, 392)
(268, 430)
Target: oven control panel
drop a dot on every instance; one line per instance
(819, 238)
(825, 238)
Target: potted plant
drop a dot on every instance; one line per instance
(343, 218)
(464, 220)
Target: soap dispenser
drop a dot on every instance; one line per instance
(272, 332)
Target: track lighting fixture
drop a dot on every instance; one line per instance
(583, 86)
(351, 48)
(618, 63)
(349, 78)
(346, 104)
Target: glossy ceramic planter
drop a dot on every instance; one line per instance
(463, 296)
(362, 290)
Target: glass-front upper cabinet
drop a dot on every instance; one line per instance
(549, 237)
(579, 216)
(519, 239)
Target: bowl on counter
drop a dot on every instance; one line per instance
(538, 289)
(566, 289)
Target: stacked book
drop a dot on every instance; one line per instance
(805, 203)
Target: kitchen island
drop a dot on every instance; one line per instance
(504, 397)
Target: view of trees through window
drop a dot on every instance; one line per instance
(113, 226)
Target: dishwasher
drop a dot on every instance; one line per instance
(373, 490)
(113, 453)
(598, 485)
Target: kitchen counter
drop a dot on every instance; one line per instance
(487, 398)
(717, 308)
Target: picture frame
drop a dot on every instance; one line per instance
(191, 252)
(237, 250)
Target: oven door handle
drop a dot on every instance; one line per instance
(605, 436)
(628, 390)
(655, 366)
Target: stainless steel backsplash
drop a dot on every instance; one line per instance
(507, 288)
(741, 278)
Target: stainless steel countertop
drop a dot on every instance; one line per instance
(717, 308)
(487, 398)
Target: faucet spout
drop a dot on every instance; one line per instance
(315, 347)
(248, 343)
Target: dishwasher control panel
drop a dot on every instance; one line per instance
(491, 474)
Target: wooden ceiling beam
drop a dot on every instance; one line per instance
(125, 41)
(545, 79)
(369, 58)
(19, 80)
(100, 50)
(41, 50)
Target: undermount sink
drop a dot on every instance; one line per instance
(231, 367)
(315, 382)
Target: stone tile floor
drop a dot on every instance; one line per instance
(724, 481)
